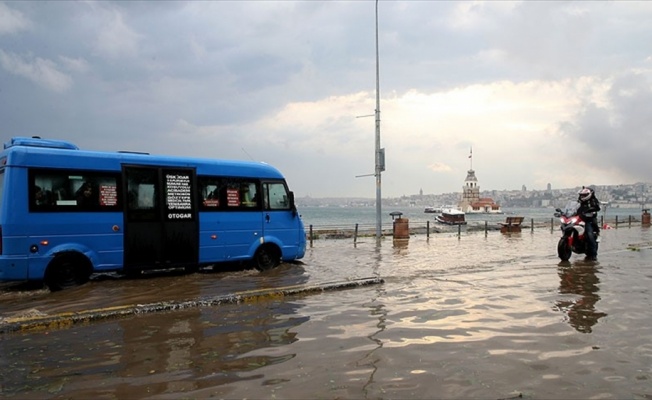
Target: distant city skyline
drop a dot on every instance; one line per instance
(625, 194)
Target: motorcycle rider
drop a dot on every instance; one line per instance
(588, 210)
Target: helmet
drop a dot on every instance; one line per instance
(585, 194)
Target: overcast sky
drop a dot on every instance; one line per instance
(543, 92)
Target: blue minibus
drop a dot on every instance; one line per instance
(66, 213)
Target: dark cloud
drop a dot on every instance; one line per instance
(618, 134)
(217, 77)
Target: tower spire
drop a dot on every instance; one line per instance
(471, 158)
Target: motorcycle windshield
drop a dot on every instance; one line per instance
(571, 208)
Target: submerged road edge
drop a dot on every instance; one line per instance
(69, 319)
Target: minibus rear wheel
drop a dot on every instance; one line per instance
(267, 257)
(67, 270)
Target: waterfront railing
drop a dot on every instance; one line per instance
(427, 228)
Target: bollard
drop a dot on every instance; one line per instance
(427, 229)
(310, 235)
(485, 228)
(459, 231)
(552, 225)
(616, 224)
(629, 217)
(531, 225)
(355, 234)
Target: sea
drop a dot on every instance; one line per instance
(345, 217)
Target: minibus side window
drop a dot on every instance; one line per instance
(72, 191)
(228, 194)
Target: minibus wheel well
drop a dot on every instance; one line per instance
(66, 270)
(267, 256)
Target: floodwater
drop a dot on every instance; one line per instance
(491, 316)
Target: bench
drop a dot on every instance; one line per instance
(511, 224)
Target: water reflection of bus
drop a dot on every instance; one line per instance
(194, 353)
(66, 213)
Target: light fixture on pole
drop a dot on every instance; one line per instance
(379, 154)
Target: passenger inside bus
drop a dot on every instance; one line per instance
(248, 195)
(42, 197)
(212, 197)
(85, 195)
(213, 194)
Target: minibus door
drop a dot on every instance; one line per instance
(161, 221)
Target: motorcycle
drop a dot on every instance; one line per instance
(573, 238)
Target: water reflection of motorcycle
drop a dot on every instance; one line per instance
(580, 279)
(573, 239)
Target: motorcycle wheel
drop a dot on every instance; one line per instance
(564, 250)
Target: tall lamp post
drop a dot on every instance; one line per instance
(380, 153)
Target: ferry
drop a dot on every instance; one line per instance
(451, 216)
(436, 210)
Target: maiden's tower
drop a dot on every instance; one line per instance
(471, 201)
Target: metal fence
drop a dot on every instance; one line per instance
(427, 228)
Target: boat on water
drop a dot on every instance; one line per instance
(437, 209)
(451, 216)
(485, 211)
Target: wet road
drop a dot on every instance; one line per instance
(477, 317)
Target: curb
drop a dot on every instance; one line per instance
(69, 319)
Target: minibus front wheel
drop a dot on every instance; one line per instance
(267, 257)
(67, 270)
